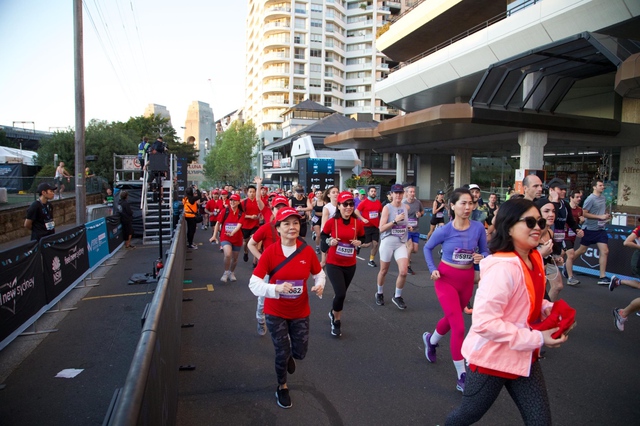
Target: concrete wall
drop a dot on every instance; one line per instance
(64, 212)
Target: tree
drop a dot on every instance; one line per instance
(229, 161)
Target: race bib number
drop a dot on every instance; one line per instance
(50, 225)
(570, 233)
(315, 219)
(412, 222)
(558, 235)
(373, 215)
(398, 230)
(229, 227)
(439, 215)
(296, 290)
(344, 249)
(602, 224)
(462, 256)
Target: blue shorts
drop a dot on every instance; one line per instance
(413, 236)
(233, 248)
(594, 237)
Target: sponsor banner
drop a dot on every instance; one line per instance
(114, 232)
(618, 260)
(22, 287)
(97, 241)
(181, 176)
(64, 260)
(195, 172)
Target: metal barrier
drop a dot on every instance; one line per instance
(150, 393)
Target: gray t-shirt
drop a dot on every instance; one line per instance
(595, 205)
(413, 207)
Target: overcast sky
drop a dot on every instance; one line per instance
(136, 52)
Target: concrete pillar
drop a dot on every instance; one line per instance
(461, 167)
(401, 168)
(532, 144)
(433, 173)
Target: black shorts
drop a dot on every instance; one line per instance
(569, 244)
(127, 230)
(247, 233)
(371, 233)
(594, 237)
(436, 220)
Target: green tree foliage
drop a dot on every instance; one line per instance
(229, 161)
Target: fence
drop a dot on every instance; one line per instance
(150, 392)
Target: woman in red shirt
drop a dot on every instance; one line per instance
(287, 305)
(342, 233)
(229, 230)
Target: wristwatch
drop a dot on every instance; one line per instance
(395, 223)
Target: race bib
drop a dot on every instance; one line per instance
(462, 256)
(439, 214)
(602, 224)
(398, 230)
(373, 215)
(229, 227)
(50, 225)
(344, 249)
(295, 291)
(558, 235)
(412, 222)
(570, 233)
(315, 219)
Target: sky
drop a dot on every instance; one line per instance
(136, 52)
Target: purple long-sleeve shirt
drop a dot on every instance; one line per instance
(457, 246)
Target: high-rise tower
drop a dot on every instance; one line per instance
(199, 128)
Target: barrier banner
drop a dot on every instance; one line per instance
(618, 260)
(97, 242)
(22, 289)
(114, 232)
(64, 260)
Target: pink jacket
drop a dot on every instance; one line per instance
(500, 337)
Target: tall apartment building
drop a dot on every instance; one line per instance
(320, 50)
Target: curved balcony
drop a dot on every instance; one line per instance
(276, 27)
(274, 58)
(280, 40)
(276, 12)
(273, 89)
(276, 72)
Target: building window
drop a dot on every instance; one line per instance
(298, 69)
(315, 68)
(316, 38)
(298, 38)
(315, 53)
(327, 101)
(314, 97)
(299, 53)
(316, 7)
(317, 23)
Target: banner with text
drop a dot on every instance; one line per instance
(114, 232)
(97, 241)
(64, 260)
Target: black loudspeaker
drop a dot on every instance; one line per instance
(158, 162)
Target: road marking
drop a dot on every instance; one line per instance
(210, 287)
(361, 258)
(197, 288)
(109, 296)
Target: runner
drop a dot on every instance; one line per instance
(454, 275)
(570, 240)
(437, 213)
(393, 243)
(416, 210)
(318, 204)
(251, 208)
(212, 208)
(229, 230)
(370, 209)
(330, 199)
(550, 248)
(501, 347)
(302, 205)
(342, 234)
(287, 307)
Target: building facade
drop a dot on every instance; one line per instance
(199, 128)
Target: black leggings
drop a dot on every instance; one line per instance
(191, 229)
(481, 390)
(340, 277)
(290, 338)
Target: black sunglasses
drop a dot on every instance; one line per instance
(348, 204)
(531, 222)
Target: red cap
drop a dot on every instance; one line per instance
(235, 197)
(285, 213)
(215, 191)
(224, 192)
(279, 200)
(344, 196)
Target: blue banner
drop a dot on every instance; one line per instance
(97, 241)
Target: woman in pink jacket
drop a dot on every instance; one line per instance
(501, 349)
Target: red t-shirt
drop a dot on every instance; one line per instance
(229, 224)
(344, 254)
(370, 210)
(222, 203)
(212, 206)
(267, 234)
(576, 213)
(250, 208)
(298, 270)
(267, 213)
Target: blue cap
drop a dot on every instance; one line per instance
(397, 188)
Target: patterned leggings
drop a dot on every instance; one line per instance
(481, 390)
(290, 338)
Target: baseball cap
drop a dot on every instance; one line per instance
(279, 200)
(441, 192)
(224, 192)
(542, 201)
(362, 192)
(474, 186)
(215, 191)
(285, 213)
(344, 196)
(557, 183)
(235, 197)
(397, 188)
(45, 187)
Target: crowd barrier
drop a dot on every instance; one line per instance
(150, 392)
(36, 275)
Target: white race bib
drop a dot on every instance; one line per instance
(230, 227)
(50, 225)
(462, 256)
(373, 215)
(398, 230)
(344, 249)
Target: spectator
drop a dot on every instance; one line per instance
(40, 213)
(126, 219)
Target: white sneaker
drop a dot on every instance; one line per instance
(232, 277)
(224, 277)
(618, 320)
(573, 281)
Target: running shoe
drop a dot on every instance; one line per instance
(192, 246)
(262, 328)
(291, 365)
(429, 349)
(618, 321)
(224, 277)
(615, 282)
(358, 250)
(372, 264)
(604, 281)
(399, 302)
(565, 273)
(245, 257)
(409, 270)
(232, 277)
(335, 325)
(379, 299)
(573, 281)
(283, 398)
(460, 382)
(317, 250)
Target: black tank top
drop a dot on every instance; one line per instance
(300, 203)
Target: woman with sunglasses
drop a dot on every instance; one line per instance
(464, 243)
(330, 199)
(550, 247)
(501, 347)
(342, 234)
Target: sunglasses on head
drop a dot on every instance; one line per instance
(348, 204)
(531, 222)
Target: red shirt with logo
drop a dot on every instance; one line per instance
(370, 210)
(229, 224)
(250, 208)
(344, 254)
(267, 234)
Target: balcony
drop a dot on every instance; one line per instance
(275, 27)
(276, 57)
(277, 12)
(276, 72)
(275, 88)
